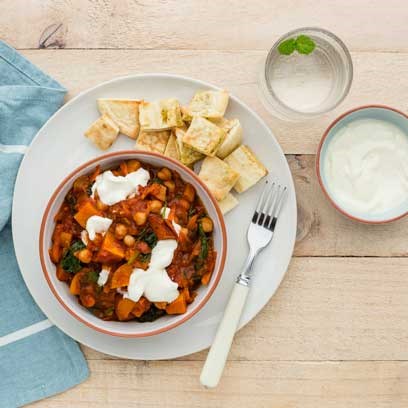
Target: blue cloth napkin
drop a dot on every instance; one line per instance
(36, 359)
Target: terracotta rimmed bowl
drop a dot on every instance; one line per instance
(380, 112)
(70, 302)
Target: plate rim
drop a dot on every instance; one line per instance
(195, 83)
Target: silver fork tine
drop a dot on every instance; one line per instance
(259, 205)
(277, 209)
(262, 215)
(271, 206)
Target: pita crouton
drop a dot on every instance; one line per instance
(171, 148)
(228, 203)
(250, 169)
(209, 104)
(204, 136)
(187, 155)
(124, 112)
(103, 132)
(232, 140)
(153, 141)
(160, 115)
(218, 176)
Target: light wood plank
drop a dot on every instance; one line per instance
(198, 24)
(322, 231)
(245, 384)
(329, 309)
(379, 78)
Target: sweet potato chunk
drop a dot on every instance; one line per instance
(160, 228)
(121, 276)
(86, 210)
(75, 286)
(141, 306)
(156, 190)
(178, 306)
(123, 308)
(111, 250)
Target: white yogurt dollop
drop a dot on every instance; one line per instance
(154, 283)
(97, 225)
(165, 214)
(366, 167)
(103, 276)
(111, 189)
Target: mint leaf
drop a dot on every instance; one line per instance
(304, 44)
(287, 47)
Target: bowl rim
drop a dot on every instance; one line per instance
(318, 162)
(42, 250)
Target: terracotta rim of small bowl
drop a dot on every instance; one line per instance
(218, 272)
(318, 154)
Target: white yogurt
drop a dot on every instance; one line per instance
(111, 189)
(97, 225)
(366, 167)
(103, 276)
(165, 214)
(154, 283)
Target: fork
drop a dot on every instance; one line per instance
(260, 233)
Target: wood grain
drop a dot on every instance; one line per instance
(245, 384)
(382, 82)
(322, 231)
(329, 309)
(197, 24)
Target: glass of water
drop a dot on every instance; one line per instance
(299, 86)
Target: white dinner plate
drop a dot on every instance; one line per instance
(60, 146)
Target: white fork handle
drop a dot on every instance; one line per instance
(217, 356)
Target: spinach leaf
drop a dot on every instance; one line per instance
(144, 257)
(148, 236)
(70, 262)
(92, 276)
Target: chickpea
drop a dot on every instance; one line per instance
(140, 218)
(129, 241)
(155, 206)
(133, 165)
(120, 231)
(84, 255)
(189, 193)
(184, 204)
(87, 300)
(170, 185)
(206, 224)
(164, 174)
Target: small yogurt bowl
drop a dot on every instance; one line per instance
(378, 112)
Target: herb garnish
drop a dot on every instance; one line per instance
(70, 262)
(92, 276)
(148, 236)
(303, 44)
(144, 257)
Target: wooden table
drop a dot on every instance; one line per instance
(336, 332)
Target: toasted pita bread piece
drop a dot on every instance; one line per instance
(186, 115)
(251, 170)
(228, 203)
(153, 141)
(171, 148)
(124, 112)
(232, 140)
(218, 176)
(187, 155)
(203, 136)
(160, 115)
(103, 132)
(209, 104)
